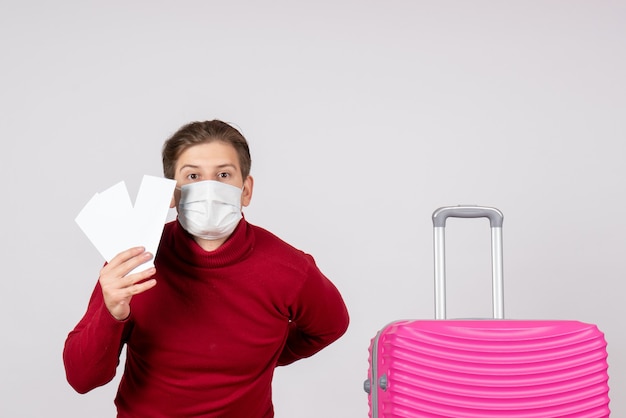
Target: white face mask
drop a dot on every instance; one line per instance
(209, 209)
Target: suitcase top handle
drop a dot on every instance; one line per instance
(440, 215)
(439, 222)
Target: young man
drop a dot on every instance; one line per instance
(225, 303)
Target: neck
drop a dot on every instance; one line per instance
(210, 244)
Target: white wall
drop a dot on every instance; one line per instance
(363, 117)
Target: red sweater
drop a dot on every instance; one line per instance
(205, 340)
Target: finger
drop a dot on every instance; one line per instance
(133, 279)
(126, 255)
(134, 262)
(119, 293)
(125, 265)
(138, 288)
(123, 257)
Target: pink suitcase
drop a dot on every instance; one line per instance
(486, 368)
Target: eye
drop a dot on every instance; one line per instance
(192, 176)
(223, 175)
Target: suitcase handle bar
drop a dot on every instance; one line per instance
(441, 214)
(439, 223)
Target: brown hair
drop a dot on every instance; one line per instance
(204, 132)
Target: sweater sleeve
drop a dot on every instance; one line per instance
(319, 317)
(92, 349)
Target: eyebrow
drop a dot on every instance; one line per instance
(196, 167)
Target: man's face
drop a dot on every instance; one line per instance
(211, 161)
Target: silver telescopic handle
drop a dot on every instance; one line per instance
(439, 222)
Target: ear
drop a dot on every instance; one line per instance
(175, 198)
(246, 193)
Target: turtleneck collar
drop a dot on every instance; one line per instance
(184, 248)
